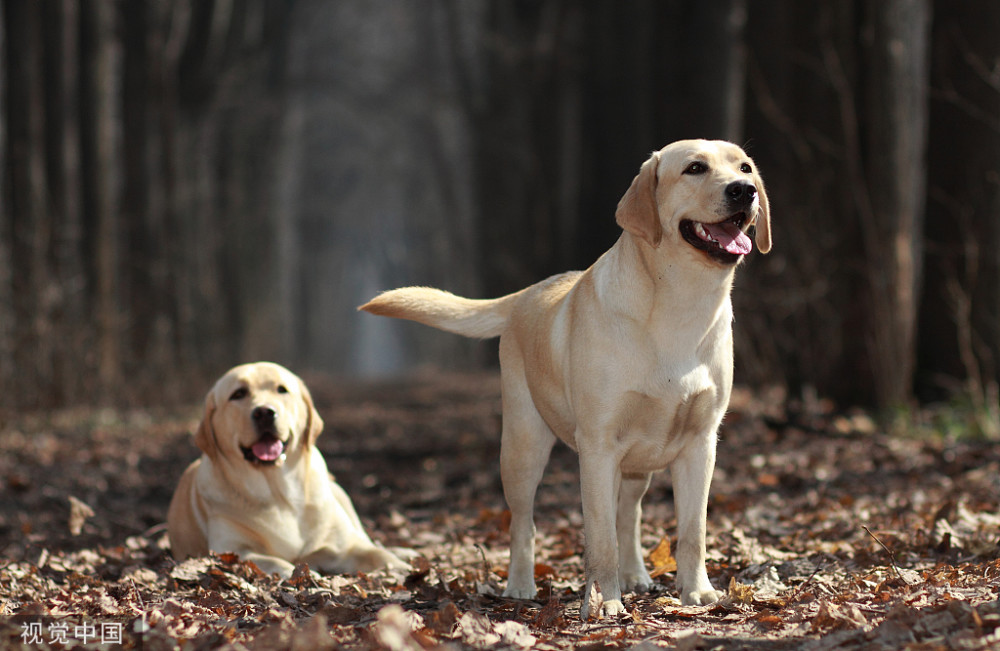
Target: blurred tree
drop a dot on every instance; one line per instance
(960, 310)
(68, 331)
(380, 182)
(28, 220)
(845, 123)
(140, 255)
(98, 171)
(123, 177)
(798, 316)
(191, 184)
(889, 186)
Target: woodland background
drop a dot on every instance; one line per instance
(195, 183)
(190, 184)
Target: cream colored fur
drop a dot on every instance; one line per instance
(630, 363)
(278, 513)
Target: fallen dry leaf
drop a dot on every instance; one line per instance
(477, 630)
(78, 514)
(551, 615)
(740, 593)
(515, 634)
(443, 620)
(395, 629)
(661, 559)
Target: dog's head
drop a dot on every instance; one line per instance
(706, 194)
(258, 414)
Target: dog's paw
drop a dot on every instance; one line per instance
(612, 608)
(636, 581)
(404, 553)
(378, 558)
(609, 608)
(520, 591)
(593, 602)
(400, 558)
(701, 597)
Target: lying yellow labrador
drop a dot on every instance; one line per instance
(261, 489)
(629, 362)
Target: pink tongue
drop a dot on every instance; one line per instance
(268, 450)
(730, 237)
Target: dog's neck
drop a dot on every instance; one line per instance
(273, 485)
(644, 282)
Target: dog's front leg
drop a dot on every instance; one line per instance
(600, 479)
(361, 557)
(691, 473)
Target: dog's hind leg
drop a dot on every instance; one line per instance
(631, 569)
(525, 446)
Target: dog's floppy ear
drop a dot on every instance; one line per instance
(762, 222)
(637, 212)
(314, 424)
(204, 438)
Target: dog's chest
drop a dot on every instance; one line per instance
(656, 424)
(286, 535)
(279, 504)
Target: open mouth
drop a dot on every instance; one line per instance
(267, 451)
(724, 241)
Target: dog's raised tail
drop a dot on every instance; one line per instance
(478, 318)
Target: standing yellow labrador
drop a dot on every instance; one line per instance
(629, 362)
(261, 489)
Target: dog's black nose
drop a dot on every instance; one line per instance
(741, 193)
(263, 416)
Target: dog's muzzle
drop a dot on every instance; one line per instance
(269, 450)
(725, 241)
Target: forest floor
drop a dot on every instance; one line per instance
(827, 533)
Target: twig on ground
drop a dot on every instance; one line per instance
(138, 597)
(795, 595)
(486, 564)
(892, 556)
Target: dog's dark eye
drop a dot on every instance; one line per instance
(239, 394)
(282, 389)
(696, 167)
(745, 168)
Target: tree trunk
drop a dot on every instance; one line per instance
(138, 254)
(97, 174)
(7, 317)
(712, 105)
(526, 119)
(960, 307)
(64, 255)
(29, 223)
(891, 206)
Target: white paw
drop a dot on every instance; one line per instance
(612, 608)
(636, 581)
(609, 608)
(393, 561)
(593, 600)
(404, 553)
(701, 597)
(520, 591)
